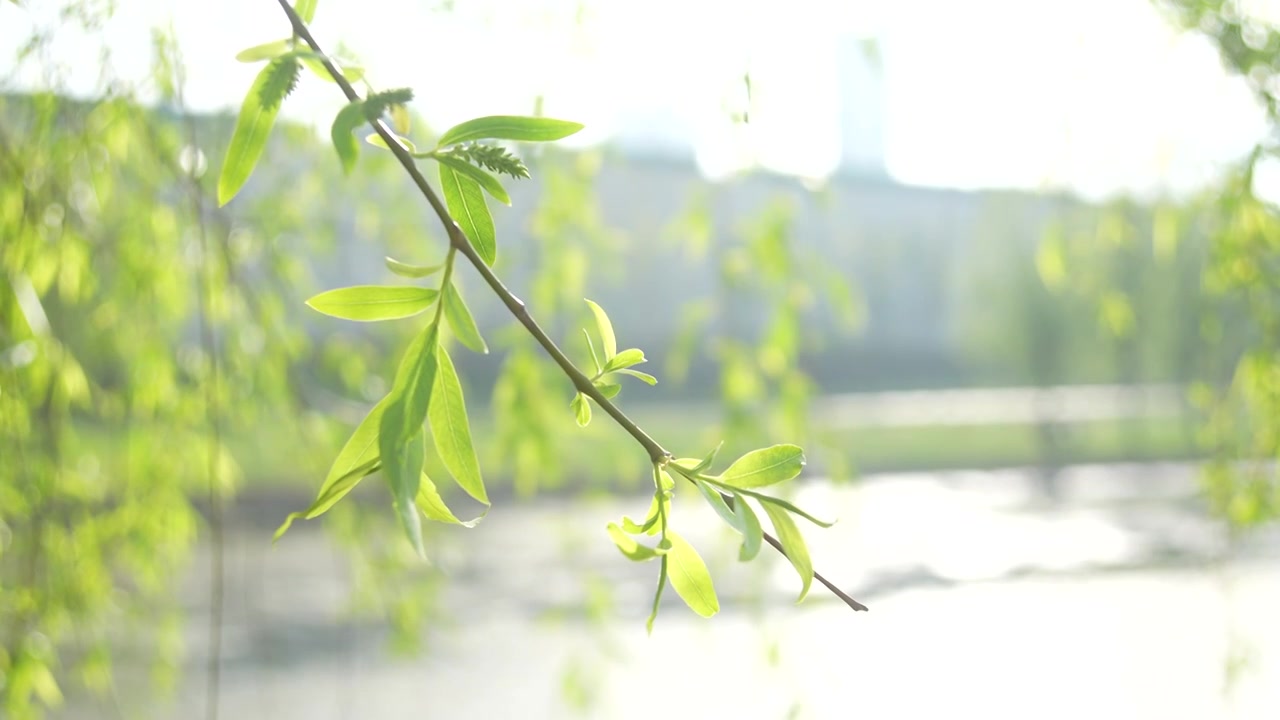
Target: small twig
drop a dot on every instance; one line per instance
(459, 241)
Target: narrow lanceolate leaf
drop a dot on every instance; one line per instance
(646, 377)
(452, 432)
(768, 500)
(400, 432)
(467, 206)
(509, 127)
(351, 72)
(690, 578)
(306, 9)
(369, 303)
(657, 595)
(411, 271)
(376, 140)
(793, 545)
(581, 409)
(432, 505)
(253, 126)
(650, 518)
(717, 503)
(629, 547)
(459, 316)
(490, 183)
(329, 495)
(595, 360)
(265, 51)
(706, 461)
(624, 359)
(344, 141)
(608, 342)
(766, 466)
(403, 472)
(752, 534)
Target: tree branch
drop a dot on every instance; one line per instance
(458, 240)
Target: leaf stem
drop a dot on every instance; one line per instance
(458, 242)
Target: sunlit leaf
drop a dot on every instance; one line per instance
(400, 121)
(403, 471)
(607, 389)
(459, 316)
(265, 51)
(253, 127)
(376, 140)
(752, 533)
(344, 141)
(657, 595)
(624, 359)
(793, 545)
(690, 578)
(467, 206)
(717, 503)
(595, 360)
(646, 377)
(766, 466)
(581, 409)
(369, 303)
(650, 525)
(411, 271)
(433, 507)
(509, 127)
(629, 547)
(400, 441)
(767, 500)
(306, 9)
(330, 494)
(608, 343)
(705, 462)
(351, 72)
(490, 183)
(452, 431)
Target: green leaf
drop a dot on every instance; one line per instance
(607, 389)
(657, 595)
(467, 206)
(452, 431)
(490, 183)
(306, 9)
(792, 545)
(411, 271)
(706, 461)
(403, 472)
(595, 360)
(376, 140)
(752, 534)
(265, 51)
(766, 466)
(690, 578)
(608, 343)
(464, 326)
(650, 518)
(344, 124)
(351, 72)
(369, 303)
(624, 359)
(629, 547)
(581, 409)
(253, 126)
(509, 127)
(768, 500)
(637, 374)
(400, 432)
(330, 494)
(717, 503)
(360, 448)
(400, 120)
(432, 505)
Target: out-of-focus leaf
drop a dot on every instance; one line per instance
(690, 578)
(607, 389)
(351, 72)
(629, 547)
(411, 271)
(306, 9)
(369, 303)
(265, 51)
(344, 141)
(657, 595)
(646, 377)
(467, 206)
(376, 140)
(581, 409)
(509, 127)
(595, 360)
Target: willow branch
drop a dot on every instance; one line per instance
(458, 240)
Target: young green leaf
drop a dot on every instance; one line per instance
(608, 343)
(767, 499)
(484, 179)
(351, 72)
(624, 359)
(411, 271)
(657, 595)
(706, 461)
(306, 9)
(400, 120)
(452, 432)
(690, 578)
(467, 206)
(646, 377)
(376, 140)
(629, 547)
(369, 303)
(651, 518)
(400, 432)
(464, 326)
(607, 389)
(344, 142)
(717, 503)
(595, 360)
(766, 466)
(581, 409)
(752, 534)
(329, 495)
(433, 507)
(509, 127)
(793, 545)
(403, 471)
(265, 51)
(253, 126)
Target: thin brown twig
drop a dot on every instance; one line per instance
(458, 240)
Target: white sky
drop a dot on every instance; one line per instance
(1098, 96)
